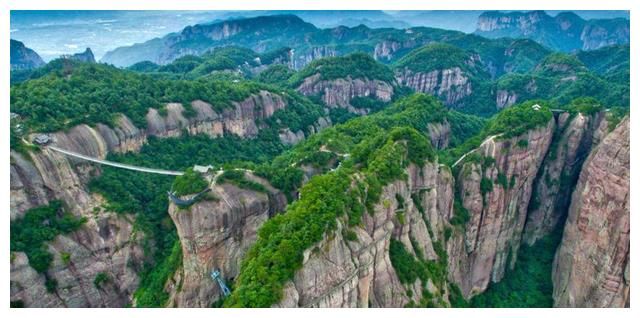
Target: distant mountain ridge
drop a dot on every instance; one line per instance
(565, 32)
(22, 57)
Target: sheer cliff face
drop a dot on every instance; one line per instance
(575, 138)
(451, 85)
(591, 266)
(489, 243)
(48, 174)
(239, 120)
(107, 242)
(358, 273)
(340, 92)
(216, 234)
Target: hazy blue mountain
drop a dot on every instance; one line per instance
(22, 57)
(54, 33)
(566, 31)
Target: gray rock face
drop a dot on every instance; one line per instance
(450, 85)
(216, 235)
(314, 53)
(491, 238)
(505, 98)
(342, 273)
(340, 92)
(560, 170)
(289, 137)
(439, 134)
(595, 36)
(386, 50)
(591, 266)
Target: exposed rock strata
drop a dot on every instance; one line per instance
(107, 242)
(216, 234)
(575, 137)
(340, 92)
(491, 238)
(450, 85)
(342, 273)
(591, 266)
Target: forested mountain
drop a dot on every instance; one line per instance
(343, 167)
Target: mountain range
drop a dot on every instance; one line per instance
(267, 161)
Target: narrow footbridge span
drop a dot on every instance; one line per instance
(116, 164)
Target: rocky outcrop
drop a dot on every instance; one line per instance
(338, 272)
(301, 60)
(505, 98)
(86, 56)
(107, 242)
(240, 120)
(575, 137)
(288, 137)
(566, 31)
(386, 50)
(495, 188)
(46, 174)
(439, 134)
(215, 234)
(23, 58)
(340, 92)
(450, 85)
(596, 35)
(591, 266)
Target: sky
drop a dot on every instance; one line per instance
(53, 33)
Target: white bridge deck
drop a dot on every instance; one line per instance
(115, 164)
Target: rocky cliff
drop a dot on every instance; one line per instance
(495, 185)
(573, 140)
(215, 234)
(241, 119)
(451, 85)
(358, 272)
(566, 31)
(387, 50)
(340, 92)
(86, 56)
(591, 266)
(107, 242)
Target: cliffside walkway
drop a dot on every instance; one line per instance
(475, 149)
(115, 164)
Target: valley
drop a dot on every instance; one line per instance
(348, 167)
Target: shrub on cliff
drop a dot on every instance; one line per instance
(188, 183)
(40, 225)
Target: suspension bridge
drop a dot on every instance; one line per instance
(116, 164)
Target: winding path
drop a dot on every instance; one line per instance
(475, 149)
(115, 164)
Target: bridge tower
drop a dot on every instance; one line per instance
(215, 275)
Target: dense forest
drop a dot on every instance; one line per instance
(351, 160)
